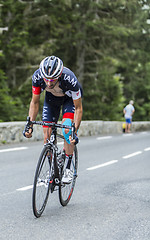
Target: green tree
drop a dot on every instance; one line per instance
(6, 103)
(106, 44)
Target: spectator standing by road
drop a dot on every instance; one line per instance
(128, 113)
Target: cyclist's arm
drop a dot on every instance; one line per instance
(34, 106)
(78, 112)
(77, 117)
(33, 111)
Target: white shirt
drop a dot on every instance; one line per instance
(129, 109)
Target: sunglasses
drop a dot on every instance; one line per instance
(49, 80)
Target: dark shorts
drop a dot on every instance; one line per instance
(52, 106)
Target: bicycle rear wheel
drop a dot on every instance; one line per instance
(41, 185)
(66, 190)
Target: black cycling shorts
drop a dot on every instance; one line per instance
(52, 106)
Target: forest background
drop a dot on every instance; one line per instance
(106, 43)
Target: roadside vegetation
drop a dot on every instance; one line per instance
(106, 43)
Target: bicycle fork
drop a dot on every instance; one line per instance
(55, 176)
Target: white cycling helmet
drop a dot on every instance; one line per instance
(51, 67)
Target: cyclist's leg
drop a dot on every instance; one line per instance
(68, 117)
(66, 190)
(70, 166)
(51, 111)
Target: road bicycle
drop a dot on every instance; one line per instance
(50, 168)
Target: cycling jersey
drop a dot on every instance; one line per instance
(62, 95)
(67, 85)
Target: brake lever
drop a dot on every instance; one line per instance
(28, 120)
(26, 129)
(29, 123)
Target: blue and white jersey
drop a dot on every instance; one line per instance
(67, 85)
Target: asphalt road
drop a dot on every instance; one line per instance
(111, 198)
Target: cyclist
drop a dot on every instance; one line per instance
(62, 91)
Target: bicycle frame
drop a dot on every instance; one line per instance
(52, 140)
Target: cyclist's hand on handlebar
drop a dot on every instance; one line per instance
(75, 139)
(27, 132)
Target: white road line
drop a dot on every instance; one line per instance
(102, 165)
(106, 137)
(132, 154)
(147, 149)
(13, 149)
(6, 194)
(25, 188)
(127, 135)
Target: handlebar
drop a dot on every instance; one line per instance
(53, 124)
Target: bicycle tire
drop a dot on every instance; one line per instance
(41, 186)
(66, 190)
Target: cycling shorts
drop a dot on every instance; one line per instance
(52, 106)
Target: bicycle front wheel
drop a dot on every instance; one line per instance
(66, 190)
(41, 185)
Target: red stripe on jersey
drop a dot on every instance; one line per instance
(68, 115)
(36, 90)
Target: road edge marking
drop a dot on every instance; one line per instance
(132, 155)
(13, 149)
(25, 188)
(102, 165)
(147, 149)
